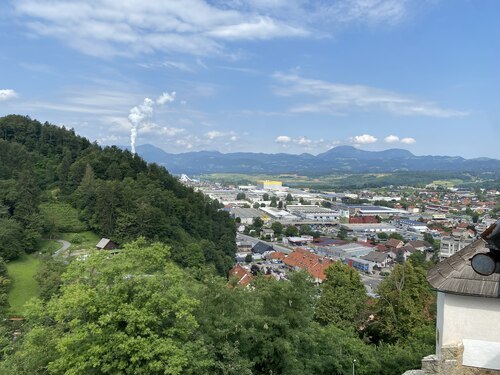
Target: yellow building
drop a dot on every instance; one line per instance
(271, 185)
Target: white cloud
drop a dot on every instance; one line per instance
(364, 139)
(184, 143)
(198, 27)
(408, 140)
(303, 141)
(215, 134)
(155, 129)
(391, 139)
(169, 65)
(166, 98)
(395, 139)
(7, 94)
(370, 11)
(332, 97)
(263, 28)
(283, 139)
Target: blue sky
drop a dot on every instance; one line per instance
(263, 75)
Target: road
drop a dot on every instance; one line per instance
(254, 240)
(371, 282)
(64, 246)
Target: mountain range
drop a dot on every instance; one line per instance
(340, 159)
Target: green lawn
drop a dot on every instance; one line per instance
(48, 246)
(81, 240)
(24, 286)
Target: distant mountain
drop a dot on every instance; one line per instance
(345, 159)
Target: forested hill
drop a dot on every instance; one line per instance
(118, 195)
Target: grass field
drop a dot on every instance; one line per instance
(80, 241)
(24, 286)
(63, 216)
(48, 246)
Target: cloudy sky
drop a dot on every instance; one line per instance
(263, 75)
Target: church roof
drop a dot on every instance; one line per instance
(455, 274)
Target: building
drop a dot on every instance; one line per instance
(360, 264)
(106, 244)
(363, 220)
(451, 245)
(413, 226)
(382, 211)
(379, 259)
(313, 212)
(246, 215)
(267, 234)
(301, 259)
(240, 276)
(298, 241)
(271, 185)
(359, 229)
(349, 250)
(261, 248)
(468, 311)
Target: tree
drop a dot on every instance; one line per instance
(280, 205)
(248, 258)
(429, 238)
(291, 231)
(257, 223)
(134, 315)
(343, 297)
(289, 198)
(265, 197)
(10, 239)
(240, 196)
(305, 229)
(342, 234)
(382, 236)
(274, 202)
(405, 306)
(277, 227)
(396, 236)
(256, 205)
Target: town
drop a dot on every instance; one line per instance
(281, 229)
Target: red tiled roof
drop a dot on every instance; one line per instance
(313, 264)
(244, 277)
(277, 255)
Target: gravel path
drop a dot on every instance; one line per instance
(64, 246)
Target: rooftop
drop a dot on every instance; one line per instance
(455, 274)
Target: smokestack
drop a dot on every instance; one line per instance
(142, 113)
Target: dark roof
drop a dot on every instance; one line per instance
(419, 243)
(455, 274)
(375, 256)
(393, 242)
(261, 247)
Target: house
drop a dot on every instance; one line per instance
(261, 247)
(468, 311)
(380, 259)
(301, 259)
(106, 244)
(401, 254)
(421, 245)
(240, 275)
(394, 244)
(360, 264)
(277, 256)
(267, 233)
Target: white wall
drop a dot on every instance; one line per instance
(465, 317)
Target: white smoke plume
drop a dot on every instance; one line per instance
(142, 113)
